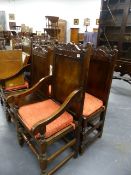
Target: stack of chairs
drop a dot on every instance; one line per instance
(43, 123)
(74, 108)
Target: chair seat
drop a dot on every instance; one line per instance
(91, 104)
(33, 113)
(11, 88)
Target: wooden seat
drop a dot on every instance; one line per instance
(97, 93)
(43, 123)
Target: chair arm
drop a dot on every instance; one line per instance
(16, 73)
(16, 97)
(61, 110)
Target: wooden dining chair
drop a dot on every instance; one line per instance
(97, 92)
(38, 68)
(11, 64)
(12, 69)
(49, 120)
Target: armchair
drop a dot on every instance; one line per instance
(12, 71)
(38, 68)
(45, 122)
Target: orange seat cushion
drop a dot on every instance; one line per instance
(91, 104)
(33, 113)
(26, 85)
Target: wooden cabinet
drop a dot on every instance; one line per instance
(115, 25)
(62, 25)
(115, 29)
(74, 35)
(52, 31)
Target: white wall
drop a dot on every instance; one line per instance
(32, 12)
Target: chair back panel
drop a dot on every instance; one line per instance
(68, 73)
(10, 63)
(100, 74)
(39, 65)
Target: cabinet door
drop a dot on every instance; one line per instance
(74, 35)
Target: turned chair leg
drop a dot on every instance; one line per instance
(42, 156)
(102, 118)
(1, 101)
(8, 117)
(82, 145)
(19, 135)
(82, 137)
(77, 136)
(43, 164)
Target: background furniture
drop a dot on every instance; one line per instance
(62, 25)
(81, 37)
(115, 25)
(52, 31)
(115, 30)
(74, 35)
(90, 37)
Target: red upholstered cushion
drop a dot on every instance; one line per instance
(26, 85)
(33, 113)
(91, 104)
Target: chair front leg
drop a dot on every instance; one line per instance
(1, 97)
(42, 155)
(1, 101)
(77, 136)
(8, 117)
(83, 136)
(19, 133)
(102, 119)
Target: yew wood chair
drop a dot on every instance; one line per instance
(43, 123)
(97, 93)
